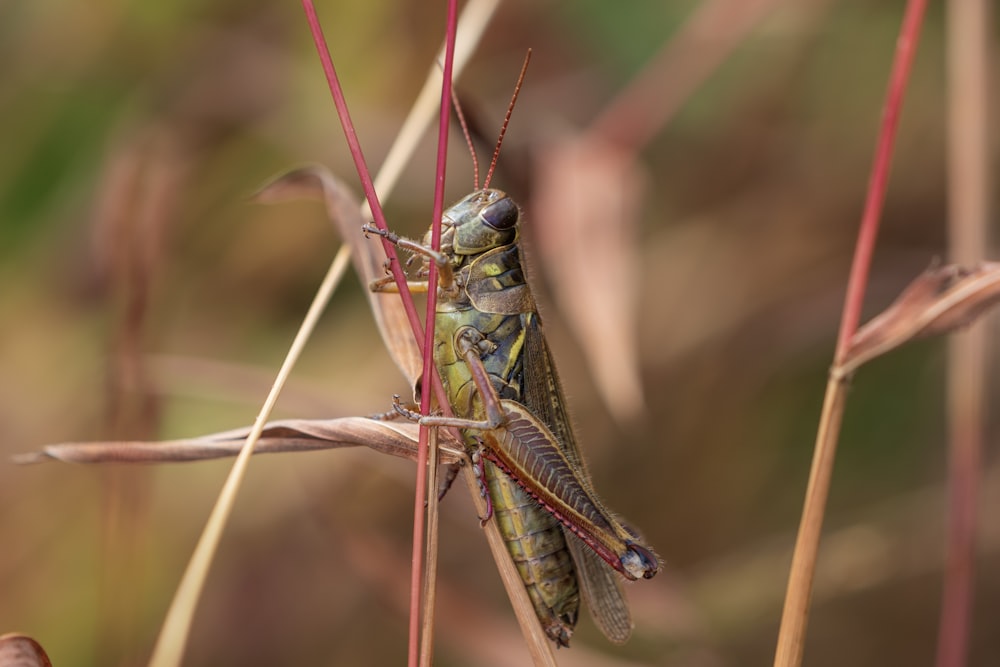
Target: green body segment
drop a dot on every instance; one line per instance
(537, 545)
(534, 538)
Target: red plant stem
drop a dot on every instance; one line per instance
(430, 372)
(360, 164)
(431, 377)
(906, 49)
(366, 182)
(794, 619)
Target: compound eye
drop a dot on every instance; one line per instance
(501, 214)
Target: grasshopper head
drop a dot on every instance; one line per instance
(483, 220)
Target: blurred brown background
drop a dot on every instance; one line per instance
(144, 297)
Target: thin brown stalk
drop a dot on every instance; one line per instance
(969, 195)
(417, 582)
(430, 572)
(539, 646)
(795, 614)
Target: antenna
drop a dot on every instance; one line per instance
(506, 120)
(468, 138)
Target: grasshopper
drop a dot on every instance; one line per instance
(508, 403)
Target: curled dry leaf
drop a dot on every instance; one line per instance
(939, 301)
(290, 435)
(344, 210)
(17, 650)
(587, 205)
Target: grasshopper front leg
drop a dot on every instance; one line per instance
(446, 277)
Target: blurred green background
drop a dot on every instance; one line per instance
(144, 296)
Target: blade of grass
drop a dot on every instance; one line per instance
(539, 647)
(430, 574)
(968, 24)
(795, 614)
(169, 648)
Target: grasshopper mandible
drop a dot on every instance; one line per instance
(508, 403)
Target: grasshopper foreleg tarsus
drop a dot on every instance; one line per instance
(387, 416)
(409, 245)
(369, 228)
(402, 410)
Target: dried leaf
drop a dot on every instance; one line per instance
(584, 217)
(290, 435)
(939, 301)
(316, 181)
(591, 189)
(18, 650)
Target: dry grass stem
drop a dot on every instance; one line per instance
(431, 560)
(969, 195)
(538, 643)
(170, 645)
(795, 615)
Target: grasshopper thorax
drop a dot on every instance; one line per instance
(483, 220)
